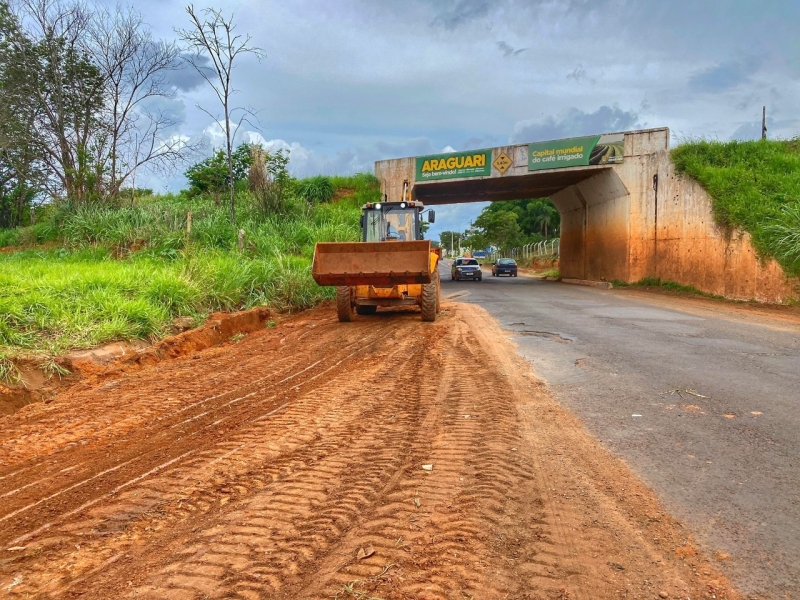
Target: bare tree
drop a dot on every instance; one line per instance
(213, 36)
(135, 68)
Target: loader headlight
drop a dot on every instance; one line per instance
(402, 205)
(378, 206)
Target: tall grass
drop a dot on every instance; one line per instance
(125, 273)
(754, 186)
(52, 301)
(316, 190)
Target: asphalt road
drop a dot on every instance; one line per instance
(704, 405)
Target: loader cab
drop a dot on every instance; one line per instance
(393, 221)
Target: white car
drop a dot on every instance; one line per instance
(466, 268)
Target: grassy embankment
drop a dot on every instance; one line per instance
(754, 186)
(96, 275)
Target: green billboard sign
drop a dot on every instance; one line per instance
(577, 152)
(476, 163)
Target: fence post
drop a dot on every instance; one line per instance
(189, 224)
(33, 216)
(241, 240)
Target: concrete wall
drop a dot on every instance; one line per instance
(595, 228)
(392, 173)
(688, 246)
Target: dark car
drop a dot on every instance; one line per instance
(504, 266)
(466, 268)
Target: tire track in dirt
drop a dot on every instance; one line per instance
(290, 466)
(129, 514)
(431, 535)
(167, 443)
(301, 486)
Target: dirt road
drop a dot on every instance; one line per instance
(385, 458)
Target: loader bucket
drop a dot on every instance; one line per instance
(372, 263)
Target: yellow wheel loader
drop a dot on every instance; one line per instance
(391, 266)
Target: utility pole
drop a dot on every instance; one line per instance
(764, 123)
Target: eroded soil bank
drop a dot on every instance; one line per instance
(385, 458)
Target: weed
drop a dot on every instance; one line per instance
(665, 285)
(51, 368)
(9, 373)
(237, 337)
(316, 190)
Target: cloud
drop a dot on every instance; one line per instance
(170, 112)
(725, 75)
(475, 142)
(575, 122)
(305, 162)
(463, 12)
(186, 78)
(509, 50)
(579, 74)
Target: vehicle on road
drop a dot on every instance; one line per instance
(466, 268)
(391, 266)
(504, 266)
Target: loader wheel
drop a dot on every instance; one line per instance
(430, 292)
(438, 291)
(366, 309)
(343, 304)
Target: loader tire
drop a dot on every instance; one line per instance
(430, 292)
(366, 309)
(343, 309)
(438, 291)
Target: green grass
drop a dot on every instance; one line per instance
(50, 301)
(754, 186)
(316, 190)
(664, 285)
(125, 273)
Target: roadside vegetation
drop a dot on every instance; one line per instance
(86, 276)
(754, 186)
(86, 257)
(665, 284)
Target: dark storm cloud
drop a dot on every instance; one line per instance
(461, 12)
(578, 74)
(508, 50)
(170, 112)
(186, 78)
(574, 122)
(724, 76)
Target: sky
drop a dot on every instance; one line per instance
(349, 82)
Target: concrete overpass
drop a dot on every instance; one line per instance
(625, 212)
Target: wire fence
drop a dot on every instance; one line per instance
(548, 248)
